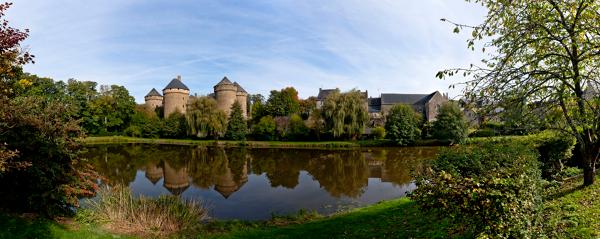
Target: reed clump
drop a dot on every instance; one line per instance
(119, 211)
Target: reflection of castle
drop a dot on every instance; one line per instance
(176, 97)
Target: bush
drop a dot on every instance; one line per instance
(378, 132)
(297, 130)
(483, 133)
(174, 126)
(118, 210)
(494, 189)
(450, 124)
(265, 129)
(555, 150)
(402, 125)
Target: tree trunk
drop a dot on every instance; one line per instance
(589, 168)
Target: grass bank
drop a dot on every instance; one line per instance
(569, 212)
(228, 143)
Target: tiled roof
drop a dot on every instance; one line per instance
(153, 92)
(176, 84)
(239, 87)
(411, 99)
(224, 81)
(374, 105)
(324, 93)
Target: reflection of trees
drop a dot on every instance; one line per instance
(400, 163)
(343, 173)
(339, 172)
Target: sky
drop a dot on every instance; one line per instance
(383, 46)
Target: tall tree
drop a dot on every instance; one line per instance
(545, 53)
(450, 124)
(204, 119)
(283, 103)
(345, 114)
(236, 124)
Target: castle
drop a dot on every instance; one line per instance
(176, 97)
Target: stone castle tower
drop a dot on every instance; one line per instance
(176, 96)
(153, 99)
(226, 93)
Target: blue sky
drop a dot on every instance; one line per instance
(381, 46)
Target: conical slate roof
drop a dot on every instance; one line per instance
(153, 92)
(176, 84)
(224, 81)
(239, 87)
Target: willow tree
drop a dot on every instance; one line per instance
(345, 114)
(205, 119)
(545, 54)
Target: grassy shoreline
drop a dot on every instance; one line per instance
(93, 140)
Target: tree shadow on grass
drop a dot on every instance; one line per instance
(16, 227)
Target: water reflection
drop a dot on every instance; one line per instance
(264, 178)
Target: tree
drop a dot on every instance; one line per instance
(345, 114)
(174, 126)
(204, 119)
(450, 124)
(297, 130)
(236, 124)
(402, 124)
(265, 128)
(282, 103)
(316, 123)
(111, 111)
(546, 54)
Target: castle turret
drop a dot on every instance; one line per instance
(242, 98)
(153, 99)
(176, 96)
(225, 94)
(176, 180)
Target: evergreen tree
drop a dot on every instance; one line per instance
(236, 125)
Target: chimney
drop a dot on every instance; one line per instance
(179, 77)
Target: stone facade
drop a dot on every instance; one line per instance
(176, 97)
(425, 104)
(226, 93)
(153, 99)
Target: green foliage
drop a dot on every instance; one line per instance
(402, 125)
(42, 171)
(236, 125)
(555, 151)
(204, 119)
(265, 129)
(450, 124)
(297, 129)
(345, 114)
(378, 132)
(282, 103)
(174, 126)
(492, 189)
(485, 132)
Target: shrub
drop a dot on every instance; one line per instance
(483, 133)
(402, 124)
(450, 124)
(118, 210)
(378, 132)
(493, 189)
(265, 128)
(297, 130)
(174, 126)
(555, 150)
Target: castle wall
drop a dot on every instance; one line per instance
(242, 99)
(153, 101)
(225, 95)
(175, 100)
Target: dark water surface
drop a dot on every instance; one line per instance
(238, 183)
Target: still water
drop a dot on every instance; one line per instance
(253, 184)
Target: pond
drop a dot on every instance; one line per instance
(254, 184)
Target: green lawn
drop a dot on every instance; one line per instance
(574, 212)
(15, 227)
(399, 218)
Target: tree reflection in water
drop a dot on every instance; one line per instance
(342, 173)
